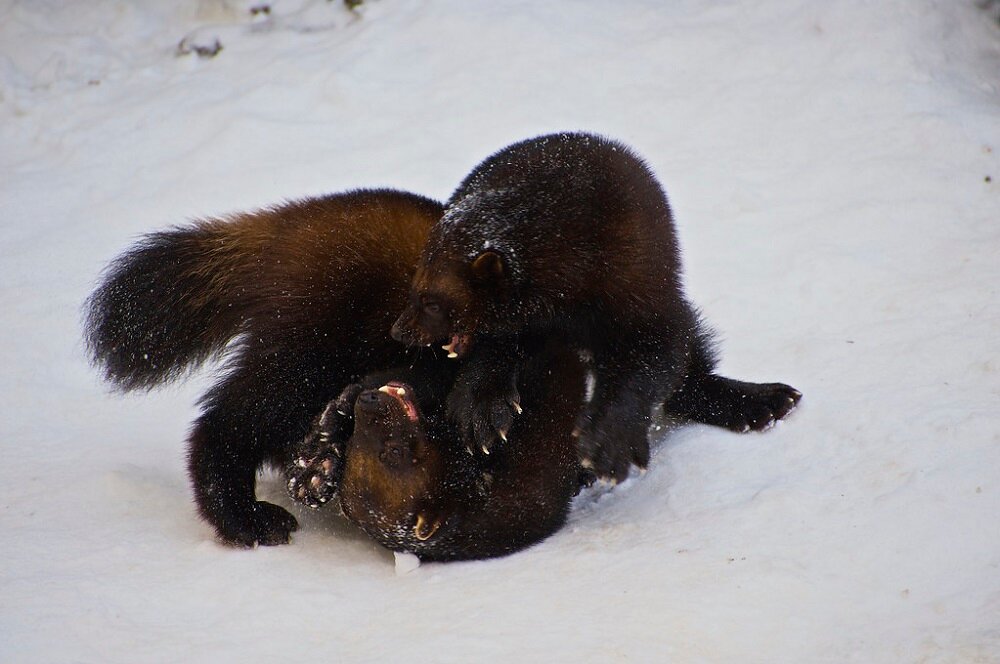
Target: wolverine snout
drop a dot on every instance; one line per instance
(368, 398)
(404, 329)
(398, 332)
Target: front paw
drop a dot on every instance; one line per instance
(486, 416)
(314, 481)
(609, 446)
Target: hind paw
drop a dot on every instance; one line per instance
(760, 406)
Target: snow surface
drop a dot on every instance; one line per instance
(828, 166)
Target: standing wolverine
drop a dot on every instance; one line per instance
(299, 298)
(570, 235)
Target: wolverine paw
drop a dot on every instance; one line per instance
(264, 524)
(486, 417)
(734, 404)
(609, 446)
(313, 482)
(317, 464)
(756, 407)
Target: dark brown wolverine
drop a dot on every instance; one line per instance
(570, 236)
(297, 298)
(405, 477)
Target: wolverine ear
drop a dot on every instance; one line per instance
(488, 266)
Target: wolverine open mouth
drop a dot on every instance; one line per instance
(403, 394)
(458, 345)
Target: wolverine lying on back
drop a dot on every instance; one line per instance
(298, 299)
(405, 477)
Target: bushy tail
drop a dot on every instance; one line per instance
(172, 300)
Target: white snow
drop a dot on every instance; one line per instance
(828, 166)
(405, 562)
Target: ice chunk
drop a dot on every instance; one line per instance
(405, 562)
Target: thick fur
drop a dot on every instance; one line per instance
(297, 298)
(413, 486)
(571, 236)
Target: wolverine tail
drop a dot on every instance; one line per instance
(174, 299)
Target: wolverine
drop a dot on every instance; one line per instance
(401, 471)
(570, 236)
(297, 299)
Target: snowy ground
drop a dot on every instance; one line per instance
(835, 172)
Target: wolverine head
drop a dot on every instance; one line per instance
(391, 469)
(452, 299)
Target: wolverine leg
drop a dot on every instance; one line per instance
(313, 476)
(257, 413)
(484, 399)
(733, 404)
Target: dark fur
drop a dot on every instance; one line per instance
(570, 236)
(298, 298)
(413, 486)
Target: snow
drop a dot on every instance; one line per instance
(405, 562)
(834, 172)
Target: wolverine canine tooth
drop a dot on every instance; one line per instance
(422, 530)
(452, 355)
(400, 391)
(385, 389)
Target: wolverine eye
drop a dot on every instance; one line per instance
(432, 307)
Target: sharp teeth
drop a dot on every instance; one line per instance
(422, 531)
(400, 391)
(385, 389)
(452, 355)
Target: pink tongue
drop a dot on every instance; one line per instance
(392, 389)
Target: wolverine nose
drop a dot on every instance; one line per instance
(369, 398)
(401, 330)
(396, 331)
